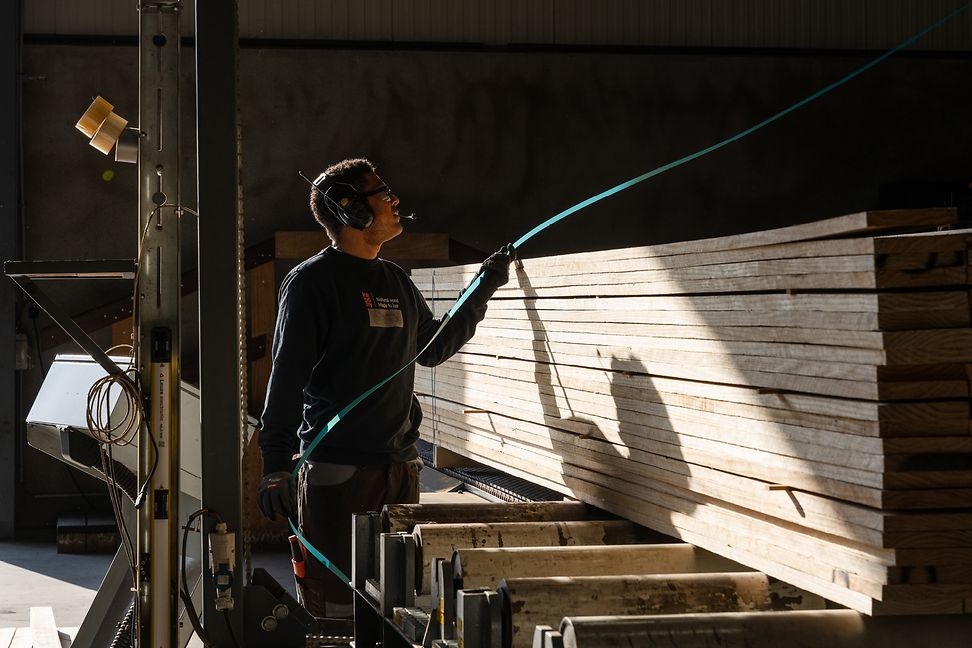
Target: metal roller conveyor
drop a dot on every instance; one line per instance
(528, 602)
(797, 629)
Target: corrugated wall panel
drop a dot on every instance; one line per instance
(841, 24)
(891, 21)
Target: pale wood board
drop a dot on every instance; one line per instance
(806, 377)
(927, 341)
(836, 414)
(820, 413)
(855, 522)
(851, 311)
(615, 417)
(846, 484)
(910, 252)
(515, 455)
(606, 285)
(547, 272)
(43, 630)
(800, 552)
(863, 223)
(708, 516)
(932, 346)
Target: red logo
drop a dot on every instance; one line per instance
(367, 300)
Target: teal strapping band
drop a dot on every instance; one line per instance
(586, 203)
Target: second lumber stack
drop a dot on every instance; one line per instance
(795, 399)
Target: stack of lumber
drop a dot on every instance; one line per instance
(796, 400)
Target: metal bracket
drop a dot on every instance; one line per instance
(273, 617)
(24, 272)
(479, 619)
(365, 529)
(396, 572)
(546, 637)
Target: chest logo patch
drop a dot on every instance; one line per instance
(383, 312)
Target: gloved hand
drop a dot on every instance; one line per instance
(496, 269)
(276, 495)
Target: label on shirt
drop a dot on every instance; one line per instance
(383, 312)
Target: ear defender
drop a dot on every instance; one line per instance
(352, 211)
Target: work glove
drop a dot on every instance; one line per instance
(496, 269)
(276, 495)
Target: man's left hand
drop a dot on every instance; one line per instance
(276, 496)
(496, 269)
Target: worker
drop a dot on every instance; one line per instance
(346, 320)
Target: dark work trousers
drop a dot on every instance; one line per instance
(324, 515)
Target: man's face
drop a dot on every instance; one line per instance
(386, 224)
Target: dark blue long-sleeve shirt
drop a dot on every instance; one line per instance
(344, 324)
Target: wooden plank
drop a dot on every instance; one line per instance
(611, 413)
(924, 341)
(800, 302)
(852, 483)
(43, 631)
(820, 378)
(664, 505)
(931, 346)
(517, 456)
(547, 271)
(862, 487)
(730, 533)
(824, 514)
(854, 311)
(21, 638)
(728, 537)
(914, 252)
(860, 223)
(605, 285)
(839, 415)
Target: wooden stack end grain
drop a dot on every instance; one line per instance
(796, 400)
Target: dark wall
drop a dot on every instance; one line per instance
(484, 145)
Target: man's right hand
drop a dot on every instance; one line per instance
(276, 495)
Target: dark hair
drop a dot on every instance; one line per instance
(352, 172)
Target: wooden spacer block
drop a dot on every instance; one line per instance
(109, 132)
(475, 411)
(94, 117)
(778, 487)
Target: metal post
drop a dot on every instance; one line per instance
(220, 299)
(9, 208)
(159, 293)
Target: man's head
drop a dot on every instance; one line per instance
(350, 194)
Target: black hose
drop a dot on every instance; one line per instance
(124, 479)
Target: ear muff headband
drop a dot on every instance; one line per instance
(349, 210)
